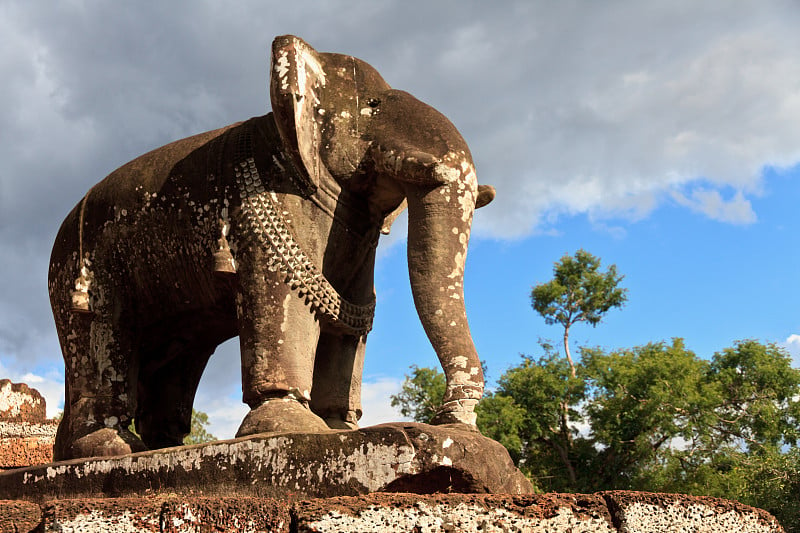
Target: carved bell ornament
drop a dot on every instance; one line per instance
(79, 301)
(224, 263)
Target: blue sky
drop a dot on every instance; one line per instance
(688, 276)
(661, 136)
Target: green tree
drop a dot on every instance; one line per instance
(759, 389)
(772, 483)
(550, 399)
(198, 433)
(644, 401)
(578, 292)
(501, 419)
(655, 417)
(421, 394)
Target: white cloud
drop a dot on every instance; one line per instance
(792, 344)
(737, 210)
(377, 408)
(224, 414)
(639, 102)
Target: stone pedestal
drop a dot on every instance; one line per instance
(387, 458)
(611, 512)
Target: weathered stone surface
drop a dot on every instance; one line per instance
(167, 514)
(26, 436)
(389, 458)
(18, 516)
(651, 512)
(540, 513)
(628, 512)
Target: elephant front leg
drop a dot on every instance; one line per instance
(339, 364)
(278, 337)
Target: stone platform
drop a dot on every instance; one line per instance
(612, 512)
(399, 457)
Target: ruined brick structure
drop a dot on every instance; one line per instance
(26, 435)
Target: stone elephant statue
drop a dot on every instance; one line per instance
(265, 229)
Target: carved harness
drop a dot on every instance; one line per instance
(284, 253)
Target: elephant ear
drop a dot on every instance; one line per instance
(297, 77)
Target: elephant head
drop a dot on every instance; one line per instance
(338, 119)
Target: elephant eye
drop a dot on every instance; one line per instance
(373, 102)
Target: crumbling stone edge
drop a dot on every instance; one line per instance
(613, 511)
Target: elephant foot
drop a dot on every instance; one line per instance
(348, 421)
(280, 415)
(458, 413)
(106, 442)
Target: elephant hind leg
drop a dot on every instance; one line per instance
(336, 393)
(100, 368)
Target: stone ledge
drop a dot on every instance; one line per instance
(389, 458)
(383, 513)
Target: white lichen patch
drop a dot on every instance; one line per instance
(680, 517)
(286, 312)
(460, 361)
(122, 522)
(281, 66)
(446, 174)
(461, 378)
(43, 432)
(466, 518)
(372, 465)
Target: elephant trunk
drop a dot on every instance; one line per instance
(439, 222)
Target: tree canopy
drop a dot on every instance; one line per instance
(421, 394)
(578, 292)
(655, 417)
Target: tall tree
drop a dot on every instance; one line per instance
(644, 401)
(578, 292)
(550, 400)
